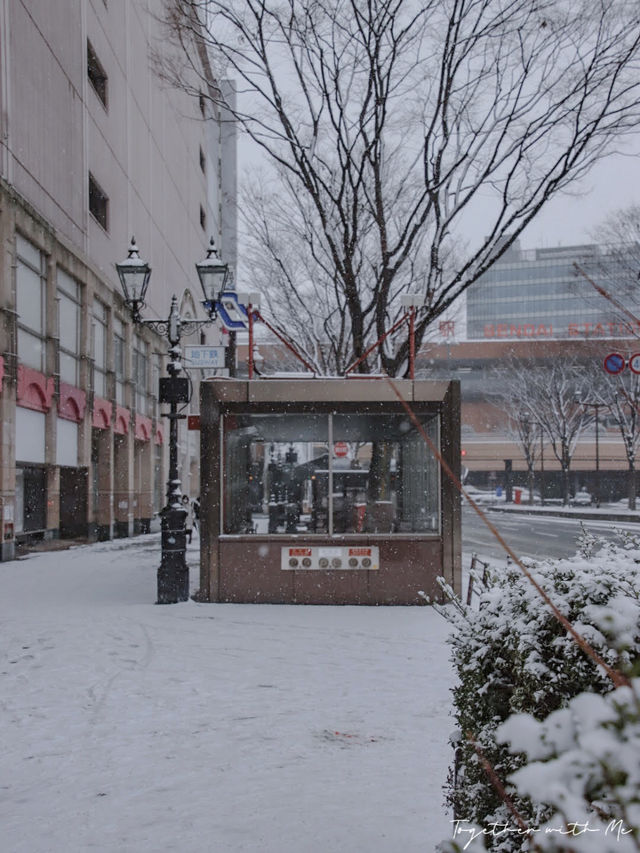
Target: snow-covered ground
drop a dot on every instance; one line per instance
(207, 728)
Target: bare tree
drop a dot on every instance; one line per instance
(548, 396)
(526, 432)
(620, 395)
(609, 277)
(390, 124)
(621, 233)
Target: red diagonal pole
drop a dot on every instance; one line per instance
(380, 340)
(258, 316)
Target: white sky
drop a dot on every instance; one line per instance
(568, 219)
(614, 183)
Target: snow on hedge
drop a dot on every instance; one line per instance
(584, 762)
(513, 657)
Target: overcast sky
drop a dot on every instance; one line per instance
(569, 218)
(614, 183)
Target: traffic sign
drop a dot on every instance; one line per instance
(614, 363)
(340, 449)
(203, 357)
(634, 362)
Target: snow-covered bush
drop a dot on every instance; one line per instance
(513, 656)
(584, 765)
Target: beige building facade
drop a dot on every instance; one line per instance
(95, 149)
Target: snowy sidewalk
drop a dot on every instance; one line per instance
(204, 728)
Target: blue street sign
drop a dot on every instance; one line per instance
(614, 363)
(232, 313)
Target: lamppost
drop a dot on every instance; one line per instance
(134, 274)
(596, 407)
(541, 464)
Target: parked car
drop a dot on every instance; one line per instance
(581, 498)
(482, 496)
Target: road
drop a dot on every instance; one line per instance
(531, 535)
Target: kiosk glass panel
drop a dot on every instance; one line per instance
(269, 473)
(307, 473)
(385, 477)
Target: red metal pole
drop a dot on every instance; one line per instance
(289, 346)
(250, 315)
(412, 342)
(377, 344)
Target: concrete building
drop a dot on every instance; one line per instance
(93, 149)
(536, 294)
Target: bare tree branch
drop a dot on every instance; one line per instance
(387, 124)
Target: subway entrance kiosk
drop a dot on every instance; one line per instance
(323, 491)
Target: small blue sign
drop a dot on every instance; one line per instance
(232, 313)
(614, 363)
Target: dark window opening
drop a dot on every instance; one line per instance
(203, 218)
(203, 162)
(98, 203)
(96, 73)
(202, 104)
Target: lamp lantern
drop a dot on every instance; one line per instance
(134, 274)
(213, 274)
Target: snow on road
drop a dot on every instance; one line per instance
(212, 728)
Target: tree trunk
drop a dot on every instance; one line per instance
(566, 494)
(631, 486)
(532, 480)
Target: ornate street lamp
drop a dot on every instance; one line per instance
(213, 275)
(134, 274)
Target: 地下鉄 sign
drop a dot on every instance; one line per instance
(204, 357)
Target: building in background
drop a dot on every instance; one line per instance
(95, 149)
(538, 295)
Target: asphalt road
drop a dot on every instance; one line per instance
(530, 535)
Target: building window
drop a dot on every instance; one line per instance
(158, 485)
(96, 74)
(31, 287)
(98, 203)
(140, 361)
(157, 372)
(203, 162)
(69, 310)
(119, 362)
(203, 219)
(99, 349)
(201, 101)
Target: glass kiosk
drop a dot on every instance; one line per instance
(324, 491)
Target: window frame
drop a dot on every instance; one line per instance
(140, 372)
(100, 317)
(119, 361)
(76, 299)
(97, 76)
(40, 334)
(99, 214)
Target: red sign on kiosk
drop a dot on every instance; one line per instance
(359, 552)
(340, 449)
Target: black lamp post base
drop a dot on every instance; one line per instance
(173, 584)
(173, 574)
